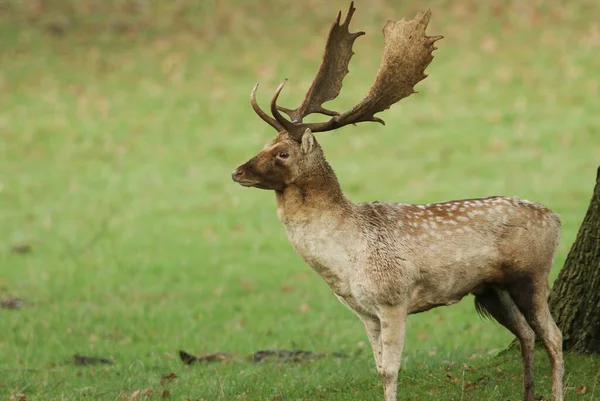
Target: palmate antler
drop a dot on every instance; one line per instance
(406, 54)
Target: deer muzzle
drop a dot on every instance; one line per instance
(243, 175)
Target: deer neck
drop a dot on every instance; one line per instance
(311, 197)
(314, 212)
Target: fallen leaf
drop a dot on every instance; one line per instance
(168, 378)
(165, 394)
(302, 276)
(58, 26)
(21, 248)
(581, 390)
(247, 284)
(304, 308)
(215, 357)
(11, 303)
(480, 381)
(286, 355)
(452, 378)
(188, 359)
(210, 357)
(240, 323)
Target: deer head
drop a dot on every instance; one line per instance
(294, 154)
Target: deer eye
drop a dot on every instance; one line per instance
(283, 155)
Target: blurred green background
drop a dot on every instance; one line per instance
(121, 121)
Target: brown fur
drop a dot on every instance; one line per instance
(387, 260)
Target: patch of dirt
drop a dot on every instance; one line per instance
(188, 359)
(286, 356)
(81, 360)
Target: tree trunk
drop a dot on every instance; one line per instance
(575, 298)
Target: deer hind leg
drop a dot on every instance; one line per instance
(530, 298)
(393, 329)
(373, 327)
(498, 304)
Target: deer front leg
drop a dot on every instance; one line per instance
(393, 328)
(373, 327)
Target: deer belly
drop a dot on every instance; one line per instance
(430, 296)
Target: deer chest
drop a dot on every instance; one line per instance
(327, 251)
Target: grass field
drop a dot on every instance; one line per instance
(121, 121)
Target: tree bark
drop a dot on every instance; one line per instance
(575, 298)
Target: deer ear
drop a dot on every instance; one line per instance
(308, 141)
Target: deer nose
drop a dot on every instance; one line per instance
(237, 174)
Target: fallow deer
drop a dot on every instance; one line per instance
(386, 260)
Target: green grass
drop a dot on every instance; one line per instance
(119, 127)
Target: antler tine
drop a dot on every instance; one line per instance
(334, 67)
(266, 118)
(287, 125)
(349, 15)
(407, 52)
